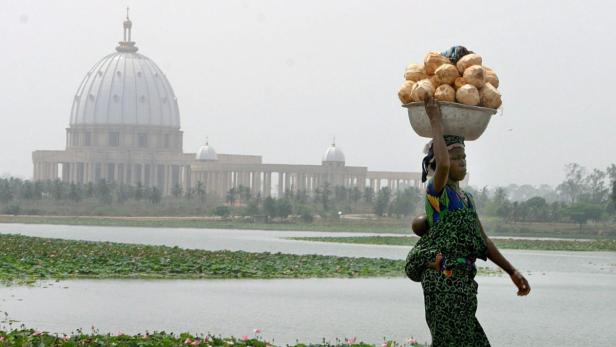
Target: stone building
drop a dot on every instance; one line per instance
(125, 128)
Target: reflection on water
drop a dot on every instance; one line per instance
(563, 309)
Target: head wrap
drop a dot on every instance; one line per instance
(456, 53)
(451, 141)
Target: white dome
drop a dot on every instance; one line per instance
(125, 88)
(206, 152)
(333, 153)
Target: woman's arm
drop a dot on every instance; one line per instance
(495, 255)
(439, 147)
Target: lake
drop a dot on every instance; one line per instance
(572, 303)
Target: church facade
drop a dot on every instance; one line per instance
(125, 128)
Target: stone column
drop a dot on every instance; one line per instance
(287, 182)
(253, 183)
(168, 179)
(267, 185)
(280, 184)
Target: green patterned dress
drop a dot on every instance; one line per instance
(450, 294)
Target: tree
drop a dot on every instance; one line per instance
(57, 190)
(580, 213)
(74, 193)
(244, 193)
(177, 191)
(405, 202)
(500, 196)
(251, 209)
(139, 192)
(573, 185)
(535, 209)
(6, 194)
(89, 190)
(123, 193)
(269, 207)
(38, 190)
(27, 190)
(382, 201)
(355, 195)
(283, 208)
(368, 194)
(103, 192)
(301, 197)
(612, 204)
(556, 211)
(305, 214)
(232, 195)
(155, 195)
(200, 191)
(611, 173)
(505, 210)
(222, 211)
(340, 194)
(482, 199)
(325, 196)
(597, 191)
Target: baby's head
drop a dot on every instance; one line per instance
(420, 225)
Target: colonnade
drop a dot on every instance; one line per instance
(163, 176)
(393, 183)
(271, 180)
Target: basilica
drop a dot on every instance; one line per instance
(125, 128)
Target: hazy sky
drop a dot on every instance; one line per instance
(281, 78)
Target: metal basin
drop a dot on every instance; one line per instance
(458, 119)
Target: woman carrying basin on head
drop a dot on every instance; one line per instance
(443, 260)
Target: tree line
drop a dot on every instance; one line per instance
(582, 196)
(326, 201)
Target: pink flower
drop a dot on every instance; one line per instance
(188, 341)
(245, 338)
(120, 333)
(257, 331)
(351, 340)
(384, 344)
(1, 338)
(412, 341)
(37, 333)
(196, 342)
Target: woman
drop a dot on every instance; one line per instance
(443, 260)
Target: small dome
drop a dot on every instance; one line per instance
(333, 154)
(206, 152)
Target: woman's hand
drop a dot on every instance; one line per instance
(520, 282)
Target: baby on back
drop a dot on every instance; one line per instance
(420, 225)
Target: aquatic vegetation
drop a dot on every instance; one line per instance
(27, 259)
(547, 245)
(29, 337)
